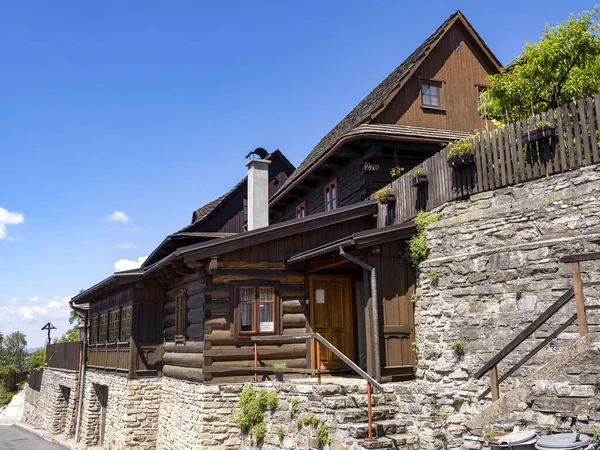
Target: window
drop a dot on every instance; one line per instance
(480, 91)
(125, 323)
(94, 330)
(301, 210)
(331, 196)
(102, 328)
(180, 317)
(431, 94)
(257, 309)
(113, 326)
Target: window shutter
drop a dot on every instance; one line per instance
(180, 318)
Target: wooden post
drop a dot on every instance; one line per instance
(579, 300)
(494, 383)
(255, 361)
(318, 362)
(369, 412)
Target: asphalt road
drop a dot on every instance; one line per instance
(13, 438)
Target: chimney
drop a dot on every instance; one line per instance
(258, 193)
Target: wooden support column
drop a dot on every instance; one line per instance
(579, 299)
(494, 384)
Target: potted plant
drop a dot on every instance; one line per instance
(385, 196)
(542, 130)
(418, 177)
(279, 368)
(396, 171)
(460, 154)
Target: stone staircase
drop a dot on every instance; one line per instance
(347, 409)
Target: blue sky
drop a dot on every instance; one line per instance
(148, 108)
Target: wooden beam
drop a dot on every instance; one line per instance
(579, 258)
(212, 265)
(579, 299)
(494, 384)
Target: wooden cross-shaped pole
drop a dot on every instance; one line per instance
(48, 327)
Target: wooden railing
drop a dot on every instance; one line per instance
(63, 356)
(371, 383)
(109, 356)
(503, 157)
(576, 291)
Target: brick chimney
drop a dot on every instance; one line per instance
(258, 193)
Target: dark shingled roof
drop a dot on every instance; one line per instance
(375, 100)
(205, 210)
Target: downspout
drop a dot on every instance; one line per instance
(82, 371)
(375, 312)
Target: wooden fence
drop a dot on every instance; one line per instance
(63, 356)
(503, 157)
(35, 379)
(110, 356)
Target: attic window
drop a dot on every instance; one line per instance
(431, 94)
(456, 46)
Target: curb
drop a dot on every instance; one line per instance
(45, 436)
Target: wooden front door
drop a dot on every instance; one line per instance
(331, 316)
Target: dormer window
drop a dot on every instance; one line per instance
(301, 210)
(431, 94)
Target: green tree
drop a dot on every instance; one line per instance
(15, 352)
(68, 336)
(37, 359)
(564, 64)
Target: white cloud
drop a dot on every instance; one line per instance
(127, 264)
(9, 218)
(29, 316)
(127, 245)
(117, 216)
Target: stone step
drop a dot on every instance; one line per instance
(353, 401)
(396, 441)
(350, 415)
(377, 399)
(380, 428)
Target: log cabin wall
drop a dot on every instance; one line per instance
(184, 359)
(461, 73)
(228, 357)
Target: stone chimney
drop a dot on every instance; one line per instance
(258, 193)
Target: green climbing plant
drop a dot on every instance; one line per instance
(253, 405)
(416, 248)
(323, 435)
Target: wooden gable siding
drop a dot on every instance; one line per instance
(461, 73)
(112, 300)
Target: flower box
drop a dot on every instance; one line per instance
(461, 161)
(538, 134)
(419, 180)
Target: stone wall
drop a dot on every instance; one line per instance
(196, 416)
(53, 407)
(492, 269)
(131, 417)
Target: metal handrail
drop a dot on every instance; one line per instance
(296, 337)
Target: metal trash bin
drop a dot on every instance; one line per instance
(566, 441)
(520, 440)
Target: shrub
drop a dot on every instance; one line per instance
(382, 194)
(459, 148)
(414, 299)
(259, 431)
(444, 415)
(458, 347)
(311, 420)
(416, 248)
(253, 407)
(434, 277)
(294, 404)
(323, 435)
(280, 432)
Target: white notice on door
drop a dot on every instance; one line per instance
(320, 295)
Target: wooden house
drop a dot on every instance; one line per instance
(311, 268)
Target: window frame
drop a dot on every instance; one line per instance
(440, 83)
(334, 202)
(114, 328)
(181, 322)
(94, 329)
(256, 285)
(301, 208)
(125, 337)
(103, 334)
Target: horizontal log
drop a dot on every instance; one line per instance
(169, 320)
(183, 373)
(169, 308)
(227, 367)
(293, 290)
(195, 301)
(292, 331)
(294, 320)
(184, 359)
(227, 353)
(292, 306)
(169, 333)
(220, 291)
(252, 265)
(195, 316)
(283, 276)
(183, 283)
(218, 307)
(195, 330)
(188, 347)
(218, 323)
